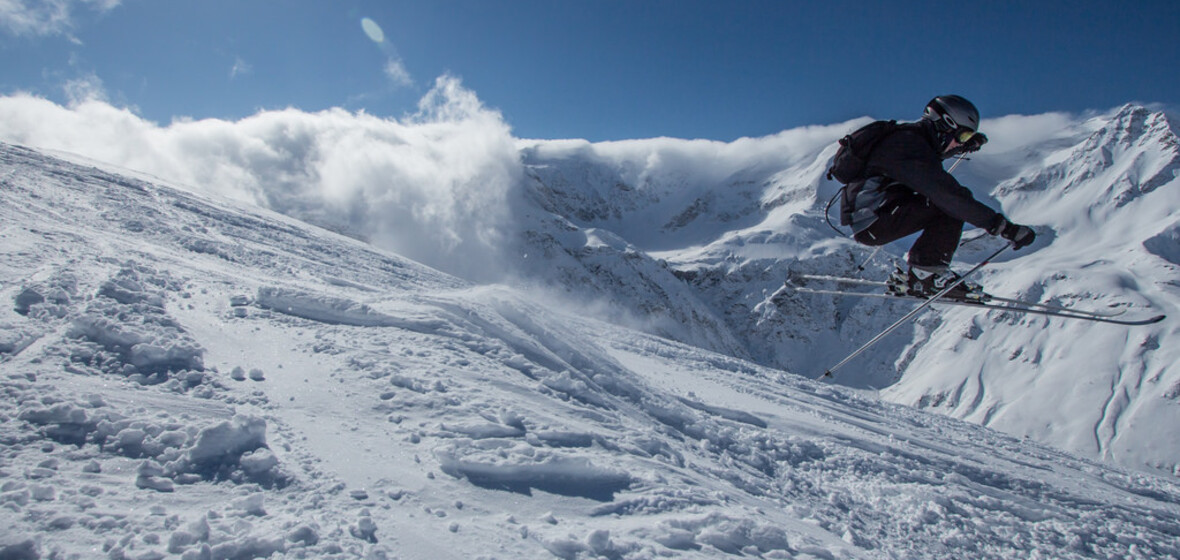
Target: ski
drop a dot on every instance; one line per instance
(999, 304)
(1024, 303)
(908, 316)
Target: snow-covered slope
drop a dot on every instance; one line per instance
(1112, 202)
(1103, 193)
(188, 377)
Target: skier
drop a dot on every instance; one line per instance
(908, 191)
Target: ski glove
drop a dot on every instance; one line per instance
(975, 143)
(1020, 236)
(972, 145)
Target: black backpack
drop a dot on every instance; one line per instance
(851, 159)
(849, 166)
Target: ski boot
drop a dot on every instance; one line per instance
(924, 284)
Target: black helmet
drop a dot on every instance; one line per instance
(951, 112)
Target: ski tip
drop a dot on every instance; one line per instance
(826, 375)
(1139, 323)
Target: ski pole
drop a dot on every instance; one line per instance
(966, 242)
(861, 266)
(959, 159)
(911, 314)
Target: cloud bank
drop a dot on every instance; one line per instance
(442, 186)
(435, 186)
(23, 18)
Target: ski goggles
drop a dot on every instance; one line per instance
(964, 135)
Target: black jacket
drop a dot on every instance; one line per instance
(912, 159)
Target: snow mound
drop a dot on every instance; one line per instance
(179, 451)
(519, 467)
(335, 310)
(218, 450)
(126, 329)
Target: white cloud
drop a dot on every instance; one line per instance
(87, 87)
(1015, 132)
(396, 71)
(437, 187)
(240, 68)
(46, 17)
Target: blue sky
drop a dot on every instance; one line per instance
(595, 69)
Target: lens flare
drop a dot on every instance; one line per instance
(373, 30)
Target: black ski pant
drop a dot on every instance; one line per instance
(905, 216)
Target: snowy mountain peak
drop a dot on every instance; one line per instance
(1133, 127)
(1131, 153)
(1138, 121)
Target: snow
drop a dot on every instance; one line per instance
(189, 377)
(334, 335)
